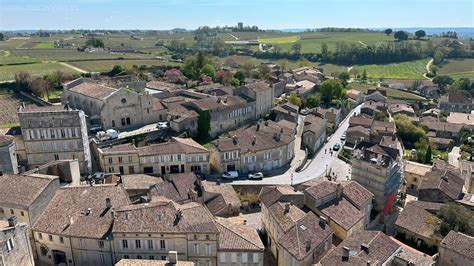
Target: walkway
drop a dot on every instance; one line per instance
(80, 70)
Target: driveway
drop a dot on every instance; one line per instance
(316, 168)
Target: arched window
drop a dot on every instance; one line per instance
(128, 120)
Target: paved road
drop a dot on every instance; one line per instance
(316, 168)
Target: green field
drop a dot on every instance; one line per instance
(44, 45)
(458, 68)
(404, 70)
(8, 72)
(107, 65)
(280, 40)
(391, 93)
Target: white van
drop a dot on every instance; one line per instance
(230, 175)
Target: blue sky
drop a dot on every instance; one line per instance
(276, 14)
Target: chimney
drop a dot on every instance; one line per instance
(88, 211)
(345, 253)
(12, 221)
(322, 221)
(266, 123)
(364, 247)
(225, 99)
(172, 257)
(287, 208)
(71, 220)
(112, 213)
(219, 99)
(108, 203)
(339, 190)
(258, 126)
(245, 222)
(308, 245)
(254, 140)
(179, 214)
(235, 139)
(369, 263)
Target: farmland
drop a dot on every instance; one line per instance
(107, 65)
(280, 40)
(391, 93)
(8, 72)
(458, 68)
(404, 70)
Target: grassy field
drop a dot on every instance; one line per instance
(44, 45)
(280, 40)
(404, 70)
(458, 68)
(107, 65)
(391, 93)
(8, 72)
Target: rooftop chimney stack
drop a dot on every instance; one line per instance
(172, 257)
(308, 245)
(108, 203)
(345, 253)
(287, 207)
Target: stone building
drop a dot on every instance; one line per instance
(456, 101)
(415, 173)
(54, 133)
(442, 186)
(314, 133)
(26, 197)
(467, 173)
(75, 228)
(456, 249)
(261, 147)
(175, 156)
(109, 107)
(379, 169)
(15, 247)
(151, 230)
(8, 157)
(263, 95)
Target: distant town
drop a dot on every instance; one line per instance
(236, 145)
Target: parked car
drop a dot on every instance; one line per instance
(230, 175)
(336, 147)
(109, 134)
(162, 125)
(96, 129)
(258, 175)
(343, 137)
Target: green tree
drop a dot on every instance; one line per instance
(234, 82)
(324, 52)
(462, 84)
(21, 80)
(312, 101)
(454, 216)
(95, 42)
(443, 81)
(420, 34)
(428, 155)
(248, 68)
(240, 76)
(400, 35)
(294, 99)
(296, 48)
(116, 70)
(364, 75)
(330, 90)
(264, 71)
(344, 77)
(209, 70)
(408, 132)
(2, 37)
(388, 31)
(204, 125)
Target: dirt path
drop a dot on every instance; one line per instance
(74, 68)
(428, 68)
(362, 43)
(233, 36)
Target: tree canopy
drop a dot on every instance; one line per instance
(420, 34)
(331, 90)
(95, 42)
(388, 31)
(400, 35)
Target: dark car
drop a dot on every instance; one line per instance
(336, 147)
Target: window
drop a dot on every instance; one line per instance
(163, 257)
(162, 244)
(138, 244)
(207, 237)
(22, 213)
(61, 239)
(244, 257)
(415, 179)
(124, 100)
(126, 256)
(40, 236)
(179, 157)
(100, 243)
(51, 133)
(10, 244)
(129, 159)
(73, 132)
(196, 248)
(120, 159)
(139, 257)
(151, 257)
(56, 157)
(208, 249)
(208, 263)
(82, 243)
(255, 257)
(233, 257)
(150, 244)
(50, 238)
(131, 169)
(12, 211)
(63, 133)
(222, 257)
(124, 244)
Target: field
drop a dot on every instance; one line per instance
(8, 72)
(280, 40)
(404, 70)
(458, 68)
(44, 45)
(391, 93)
(107, 65)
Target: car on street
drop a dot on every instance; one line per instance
(336, 147)
(343, 137)
(162, 125)
(257, 175)
(230, 175)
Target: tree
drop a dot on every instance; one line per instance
(40, 87)
(420, 34)
(324, 52)
(462, 84)
(330, 90)
(408, 132)
(95, 42)
(209, 70)
(240, 76)
(364, 75)
(234, 82)
(21, 80)
(388, 31)
(2, 37)
(173, 75)
(296, 48)
(312, 101)
(443, 81)
(454, 216)
(264, 71)
(116, 70)
(344, 77)
(248, 68)
(294, 99)
(428, 155)
(400, 35)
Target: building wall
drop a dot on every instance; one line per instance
(231, 118)
(8, 160)
(449, 257)
(112, 163)
(239, 258)
(46, 248)
(413, 180)
(47, 140)
(20, 253)
(285, 258)
(88, 251)
(314, 141)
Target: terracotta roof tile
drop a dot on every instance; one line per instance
(21, 191)
(93, 90)
(238, 237)
(460, 243)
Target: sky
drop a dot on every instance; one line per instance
(267, 14)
